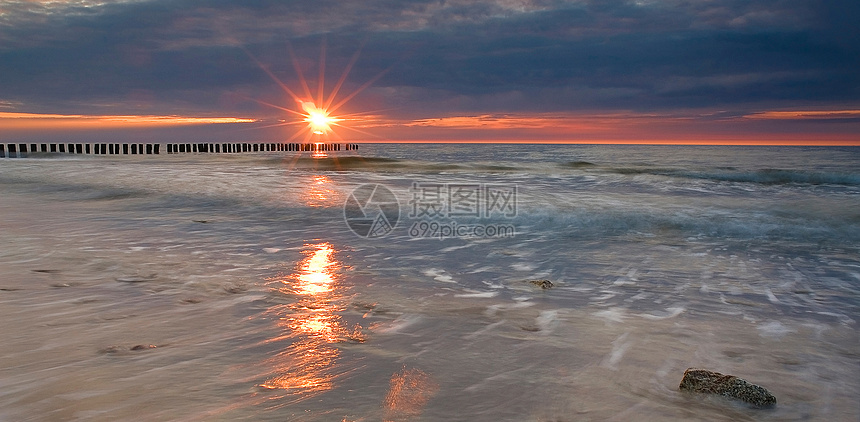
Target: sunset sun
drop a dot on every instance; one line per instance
(319, 121)
(318, 110)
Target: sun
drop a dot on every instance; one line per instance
(318, 111)
(319, 121)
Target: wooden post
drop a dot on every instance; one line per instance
(2, 151)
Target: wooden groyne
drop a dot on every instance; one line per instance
(24, 150)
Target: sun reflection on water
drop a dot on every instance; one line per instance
(408, 393)
(308, 365)
(318, 192)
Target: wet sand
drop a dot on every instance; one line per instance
(123, 299)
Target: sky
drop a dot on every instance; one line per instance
(548, 71)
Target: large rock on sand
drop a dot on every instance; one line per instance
(704, 381)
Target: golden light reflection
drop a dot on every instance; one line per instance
(408, 392)
(319, 154)
(318, 192)
(312, 322)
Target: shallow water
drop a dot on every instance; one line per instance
(249, 298)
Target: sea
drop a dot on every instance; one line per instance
(430, 282)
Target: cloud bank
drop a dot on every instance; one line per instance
(444, 59)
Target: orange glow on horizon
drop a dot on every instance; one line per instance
(670, 128)
(31, 121)
(751, 141)
(805, 114)
(813, 127)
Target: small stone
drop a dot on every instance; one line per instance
(704, 381)
(364, 306)
(235, 288)
(542, 283)
(143, 347)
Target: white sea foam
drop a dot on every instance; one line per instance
(439, 275)
(774, 329)
(478, 294)
(670, 312)
(614, 314)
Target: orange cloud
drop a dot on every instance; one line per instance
(629, 127)
(805, 114)
(73, 121)
(510, 121)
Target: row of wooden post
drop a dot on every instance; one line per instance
(23, 150)
(255, 147)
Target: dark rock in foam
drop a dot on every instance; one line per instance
(709, 382)
(543, 284)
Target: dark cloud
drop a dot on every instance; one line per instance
(447, 56)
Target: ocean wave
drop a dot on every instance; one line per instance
(765, 176)
(593, 223)
(578, 164)
(381, 164)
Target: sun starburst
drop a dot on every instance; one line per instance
(319, 121)
(318, 112)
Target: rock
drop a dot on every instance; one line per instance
(704, 381)
(124, 350)
(542, 283)
(143, 347)
(235, 288)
